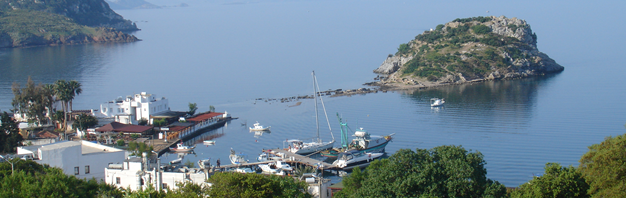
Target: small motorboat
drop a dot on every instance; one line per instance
(355, 158)
(271, 168)
(244, 170)
(259, 127)
(182, 148)
(209, 142)
(265, 156)
(176, 161)
(436, 102)
(237, 158)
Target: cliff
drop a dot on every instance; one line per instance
(467, 50)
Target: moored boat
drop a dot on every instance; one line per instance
(182, 148)
(354, 158)
(259, 127)
(209, 142)
(436, 102)
(237, 158)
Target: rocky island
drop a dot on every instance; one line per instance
(51, 22)
(466, 50)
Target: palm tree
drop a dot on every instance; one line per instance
(62, 93)
(75, 90)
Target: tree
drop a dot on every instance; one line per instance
(159, 122)
(556, 182)
(228, 184)
(85, 121)
(10, 137)
(211, 108)
(32, 102)
(66, 91)
(444, 171)
(192, 108)
(603, 166)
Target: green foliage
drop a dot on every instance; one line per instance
(32, 101)
(429, 37)
(479, 19)
(481, 29)
(603, 166)
(444, 171)
(120, 143)
(492, 40)
(512, 27)
(229, 184)
(556, 182)
(10, 137)
(439, 27)
(138, 148)
(33, 180)
(403, 49)
(211, 108)
(85, 121)
(159, 122)
(142, 122)
(192, 108)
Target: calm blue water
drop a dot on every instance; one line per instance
(227, 53)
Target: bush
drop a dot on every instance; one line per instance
(481, 29)
(121, 143)
(403, 49)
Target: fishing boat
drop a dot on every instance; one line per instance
(436, 102)
(363, 141)
(237, 158)
(354, 158)
(204, 163)
(300, 147)
(259, 127)
(182, 148)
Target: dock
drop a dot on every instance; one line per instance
(290, 158)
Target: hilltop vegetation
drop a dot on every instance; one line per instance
(470, 49)
(28, 23)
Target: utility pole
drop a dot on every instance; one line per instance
(8, 160)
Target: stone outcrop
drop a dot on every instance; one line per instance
(468, 50)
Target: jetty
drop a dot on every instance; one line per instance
(189, 128)
(290, 158)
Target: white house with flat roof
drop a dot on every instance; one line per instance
(138, 173)
(82, 159)
(131, 109)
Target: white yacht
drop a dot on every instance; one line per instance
(301, 147)
(355, 158)
(259, 127)
(436, 102)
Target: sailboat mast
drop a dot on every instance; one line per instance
(317, 122)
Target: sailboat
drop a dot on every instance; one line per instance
(300, 147)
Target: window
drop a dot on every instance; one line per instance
(118, 180)
(76, 170)
(164, 185)
(86, 169)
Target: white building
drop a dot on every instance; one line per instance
(131, 109)
(80, 158)
(135, 173)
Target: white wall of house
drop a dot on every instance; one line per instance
(130, 175)
(88, 158)
(131, 109)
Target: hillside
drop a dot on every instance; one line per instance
(34, 22)
(467, 50)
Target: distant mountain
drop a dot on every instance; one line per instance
(53, 22)
(130, 4)
(467, 50)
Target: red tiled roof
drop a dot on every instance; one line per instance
(133, 129)
(47, 134)
(110, 127)
(204, 116)
(177, 128)
(119, 127)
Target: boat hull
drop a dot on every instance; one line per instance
(313, 148)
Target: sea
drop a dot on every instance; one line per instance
(240, 55)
